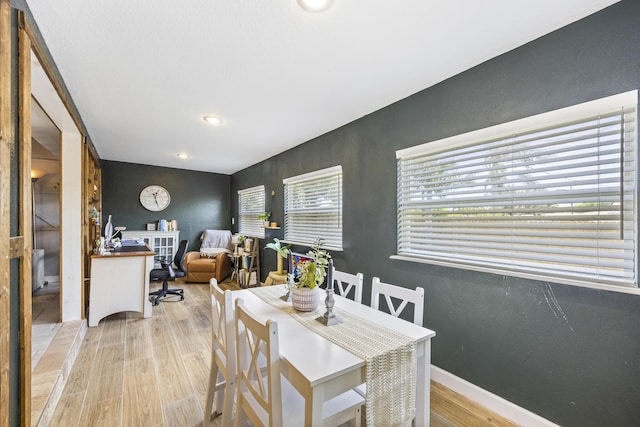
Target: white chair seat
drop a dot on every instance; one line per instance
(340, 409)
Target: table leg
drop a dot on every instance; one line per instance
(313, 407)
(423, 386)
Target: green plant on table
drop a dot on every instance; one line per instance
(313, 271)
(282, 250)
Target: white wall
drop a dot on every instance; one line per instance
(71, 279)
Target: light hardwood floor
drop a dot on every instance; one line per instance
(45, 319)
(153, 372)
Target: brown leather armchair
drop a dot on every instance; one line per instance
(200, 269)
(213, 260)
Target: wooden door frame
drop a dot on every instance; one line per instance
(6, 143)
(26, 220)
(19, 246)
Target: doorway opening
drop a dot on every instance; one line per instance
(45, 182)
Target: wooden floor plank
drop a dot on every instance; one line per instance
(161, 332)
(173, 381)
(114, 329)
(186, 412)
(69, 410)
(176, 309)
(78, 380)
(187, 337)
(141, 397)
(201, 317)
(107, 373)
(138, 340)
(198, 365)
(461, 411)
(105, 413)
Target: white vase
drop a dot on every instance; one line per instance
(305, 299)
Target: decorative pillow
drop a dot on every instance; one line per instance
(212, 252)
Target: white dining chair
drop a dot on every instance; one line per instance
(263, 395)
(222, 377)
(344, 282)
(402, 297)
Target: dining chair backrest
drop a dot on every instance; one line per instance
(223, 331)
(223, 354)
(398, 298)
(344, 282)
(259, 393)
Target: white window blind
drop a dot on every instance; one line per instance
(554, 201)
(251, 203)
(313, 207)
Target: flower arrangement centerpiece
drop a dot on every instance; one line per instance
(310, 273)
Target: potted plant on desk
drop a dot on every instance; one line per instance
(311, 272)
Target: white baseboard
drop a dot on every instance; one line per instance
(493, 402)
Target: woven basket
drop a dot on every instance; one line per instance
(305, 299)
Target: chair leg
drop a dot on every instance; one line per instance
(358, 418)
(227, 403)
(223, 392)
(241, 417)
(211, 391)
(219, 397)
(162, 293)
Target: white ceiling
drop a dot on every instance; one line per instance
(144, 73)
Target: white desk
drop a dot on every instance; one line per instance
(320, 370)
(120, 282)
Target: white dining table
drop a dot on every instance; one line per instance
(321, 370)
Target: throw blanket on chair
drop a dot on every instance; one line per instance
(214, 242)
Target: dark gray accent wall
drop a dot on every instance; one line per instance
(569, 354)
(199, 200)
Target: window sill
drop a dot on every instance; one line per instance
(523, 275)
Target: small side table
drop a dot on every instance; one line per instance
(276, 279)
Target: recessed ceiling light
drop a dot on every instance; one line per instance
(213, 120)
(315, 5)
(183, 155)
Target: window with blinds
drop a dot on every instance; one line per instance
(251, 203)
(313, 208)
(550, 197)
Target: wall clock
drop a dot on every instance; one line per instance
(155, 198)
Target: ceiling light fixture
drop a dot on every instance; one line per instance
(213, 120)
(315, 5)
(183, 155)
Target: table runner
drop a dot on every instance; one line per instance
(390, 358)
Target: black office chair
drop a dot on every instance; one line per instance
(170, 272)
